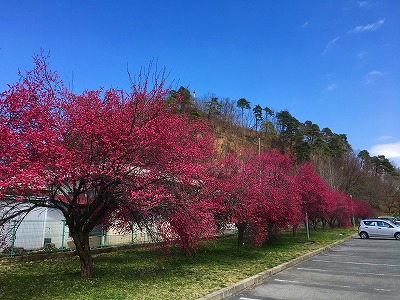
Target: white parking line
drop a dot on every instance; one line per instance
(290, 281)
(355, 263)
(314, 283)
(348, 272)
(312, 269)
(340, 255)
(320, 284)
(242, 298)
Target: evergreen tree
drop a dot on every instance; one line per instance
(243, 104)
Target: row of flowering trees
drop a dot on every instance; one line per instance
(265, 193)
(112, 158)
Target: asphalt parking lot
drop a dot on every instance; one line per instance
(357, 269)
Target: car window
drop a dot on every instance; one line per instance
(369, 223)
(383, 224)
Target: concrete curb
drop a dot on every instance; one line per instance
(261, 277)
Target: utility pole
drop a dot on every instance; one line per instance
(307, 227)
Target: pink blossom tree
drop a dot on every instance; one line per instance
(103, 157)
(315, 194)
(342, 212)
(259, 195)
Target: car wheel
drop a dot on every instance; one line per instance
(364, 235)
(397, 235)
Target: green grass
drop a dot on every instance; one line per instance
(145, 274)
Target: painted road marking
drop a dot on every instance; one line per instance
(347, 272)
(324, 285)
(314, 283)
(355, 263)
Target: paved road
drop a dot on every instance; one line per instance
(358, 269)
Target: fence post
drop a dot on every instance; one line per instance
(101, 238)
(13, 234)
(63, 235)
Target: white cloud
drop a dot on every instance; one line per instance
(332, 87)
(305, 25)
(329, 75)
(369, 27)
(375, 73)
(361, 55)
(390, 150)
(385, 138)
(331, 44)
(372, 76)
(368, 3)
(364, 4)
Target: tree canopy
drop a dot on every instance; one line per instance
(103, 156)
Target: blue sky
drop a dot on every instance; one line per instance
(333, 62)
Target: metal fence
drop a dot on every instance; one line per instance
(31, 236)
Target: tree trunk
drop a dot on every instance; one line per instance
(81, 240)
(315, 224)
(323, 223)
(272, 231)
(294, 230)
(240, 227)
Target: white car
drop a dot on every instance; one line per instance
(378, 228)
(393, 219)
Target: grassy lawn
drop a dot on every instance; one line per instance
(145, 274)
